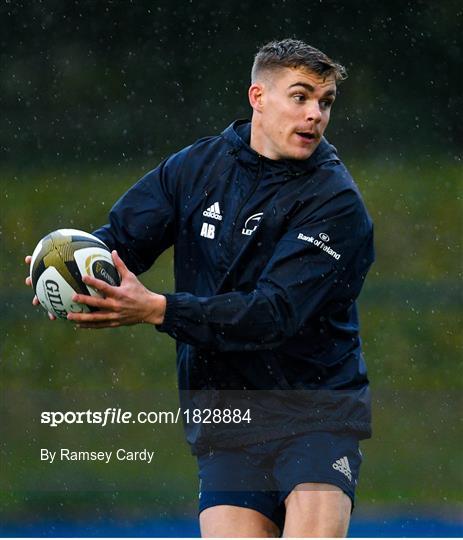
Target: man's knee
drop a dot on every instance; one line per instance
(314, 509)
(227, 521)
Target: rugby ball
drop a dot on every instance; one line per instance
(58, 263)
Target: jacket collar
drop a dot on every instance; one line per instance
(238, 135)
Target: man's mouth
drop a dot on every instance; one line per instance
(308, 136)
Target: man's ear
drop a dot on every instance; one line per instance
(255, 94)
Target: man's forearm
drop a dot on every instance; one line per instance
(156, 307)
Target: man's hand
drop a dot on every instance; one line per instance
(130, 303)
(35, 300)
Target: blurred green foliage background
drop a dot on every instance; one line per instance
(94, 94)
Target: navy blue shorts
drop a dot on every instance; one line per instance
(261, 476)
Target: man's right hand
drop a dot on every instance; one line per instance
(35, 300)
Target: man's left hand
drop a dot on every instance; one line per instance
(130, 303)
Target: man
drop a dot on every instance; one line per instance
(272, 244)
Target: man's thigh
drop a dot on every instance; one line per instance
(318, 458)
(232, 521)
(317, 474)
(238, 496)
(317, 510)
(254, 487)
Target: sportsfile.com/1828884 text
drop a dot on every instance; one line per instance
(113, 415)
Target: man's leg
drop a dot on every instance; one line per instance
(317, 510)
(238, 495)
(233, 521)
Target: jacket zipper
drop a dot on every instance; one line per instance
(250, 194)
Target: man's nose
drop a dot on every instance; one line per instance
(314, 113)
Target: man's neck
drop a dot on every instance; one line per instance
(258, 142)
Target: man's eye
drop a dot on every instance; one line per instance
(299, 98)
(326, 104)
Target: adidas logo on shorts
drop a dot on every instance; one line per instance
(213, 212)
(342, 465)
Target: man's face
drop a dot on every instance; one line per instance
(291, 111)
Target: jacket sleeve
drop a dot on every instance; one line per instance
(141, 223)
(317, 268)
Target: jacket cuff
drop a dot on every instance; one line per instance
(168, 325)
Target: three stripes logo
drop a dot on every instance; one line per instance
(213, 212)
(342, 465)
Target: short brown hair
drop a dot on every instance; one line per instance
(293, 53)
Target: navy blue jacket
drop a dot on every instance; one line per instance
(270, 257)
